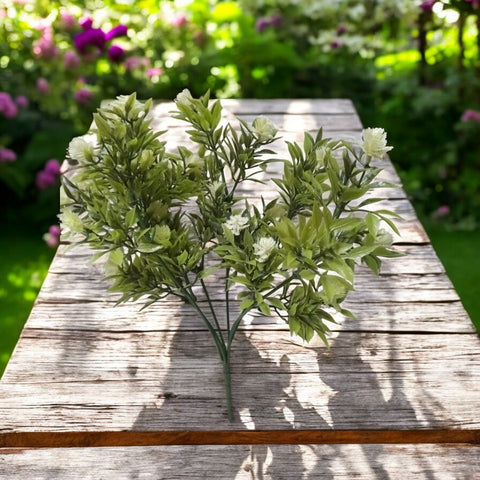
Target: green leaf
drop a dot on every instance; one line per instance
(275, 302)
(241, 280)
(182, 258)
(307, 275)
(116, 257)
(146, 247)
(131, 218)
(263, 307)
(246, 304)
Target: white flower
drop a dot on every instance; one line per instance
(236, 223)
(263, 248)
(264, 128)
(81, 149)
(384, 238)
(375, 142)
(184, 97)
(320, 154)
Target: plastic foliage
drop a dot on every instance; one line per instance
(169, 221)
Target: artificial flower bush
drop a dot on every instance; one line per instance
(168, 221)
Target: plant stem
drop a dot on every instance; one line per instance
(228, 385)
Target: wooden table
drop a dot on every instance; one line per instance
(140, 394)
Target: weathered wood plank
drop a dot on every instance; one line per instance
(245, 462)
(80, 380)
(441, 317)
(295, 106)
(416, 259)
(311, 122)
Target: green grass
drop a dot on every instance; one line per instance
(459, 253)
(24, 262)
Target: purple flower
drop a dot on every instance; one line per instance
(52, 167)
(7, 155)
(276, 20)
(261, 24)
(48, 176)
(45, 180)
(115, 32)
(341, 29)
(335, 44)
(21, 101)
(43, 85)
(7, 106)
(71, 60)
(470, 115)
(83, 96)
(265, 22)
(86, 23)
(116, 53)
(94, 37)
(427, 6)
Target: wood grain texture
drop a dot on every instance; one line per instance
(158, 380)
(405, 371)
(246, 462)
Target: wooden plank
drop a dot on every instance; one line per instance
(245, 462)
(330, 106)
(438, 317)
(416, 259)
(157, 381)
(311, 122)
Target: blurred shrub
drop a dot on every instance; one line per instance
(409, 66)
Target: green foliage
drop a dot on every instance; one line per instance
(295, 256)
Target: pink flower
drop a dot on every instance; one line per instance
(7, 155)
(83, 96)
(43, 85)
(21, 101)
(475, 3)
(52, 237)
(152, 72)
(132, 63)
(45, 47)
(7, 106)
(68, 21)
(441, 212)
(116, 53)
(178, 20)
(470, 115)
(71, 60)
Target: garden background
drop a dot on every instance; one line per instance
(409, 66)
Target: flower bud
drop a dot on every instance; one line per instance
(264, 128)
